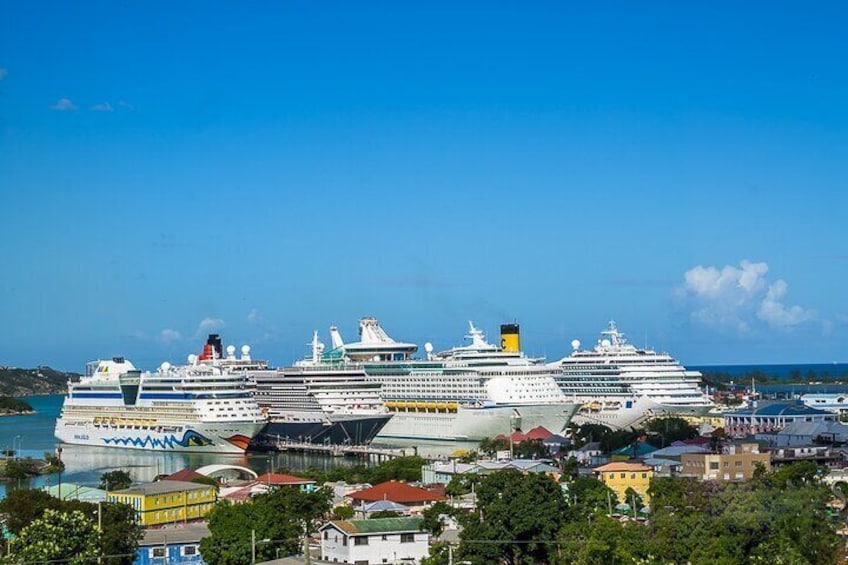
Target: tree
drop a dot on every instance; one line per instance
(343, 512)
(662, 432)
(432, 516)
(587, 496)
(517, 515)
(121, 533)
(283, 516)
(115, 480)
(67, 536)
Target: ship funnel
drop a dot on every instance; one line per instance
(510, 338)
(335, 337)
(215, 342)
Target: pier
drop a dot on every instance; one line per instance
(337, 450)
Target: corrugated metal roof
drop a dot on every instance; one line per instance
(376, 525)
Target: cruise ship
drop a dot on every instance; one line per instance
(621, 385)
(466, 393)
(304, 403)
(192, 408)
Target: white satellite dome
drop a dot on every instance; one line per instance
(575, 344)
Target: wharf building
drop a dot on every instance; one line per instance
(772, 417)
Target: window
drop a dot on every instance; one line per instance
(157, 552)
(407, 538)
(189, 550)
(326, 534)
(385, 537)
(714, 465)
(644, 475)
(623, 475)
(360, 540)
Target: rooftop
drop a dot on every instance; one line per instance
(162, 487)
(376, 525)
(396, 492)
(622, 466)
(283, 479)
(791, 409)
(189, 533)
(184, 475)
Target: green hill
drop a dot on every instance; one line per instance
(26, 382)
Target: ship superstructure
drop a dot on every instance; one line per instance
(194, 407)
(466, 393)
(621, 384)
(309, 403)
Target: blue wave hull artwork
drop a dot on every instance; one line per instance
(190, 439)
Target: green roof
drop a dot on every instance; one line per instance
(72, 491)
(378, 525)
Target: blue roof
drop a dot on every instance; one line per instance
(642, 448)
(781, 409)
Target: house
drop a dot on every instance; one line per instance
(806, 433)
(165, 502)
(735, 463)
(185, 475)
(556, 443)
(376, 541)
(283, 480)
(772, 417)
(396, 491)
(589, 454)
(172, 546)
(622, 475)
(820, 454)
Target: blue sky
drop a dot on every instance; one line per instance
(266, 169)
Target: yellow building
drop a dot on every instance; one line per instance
(165, 502)
(737, 463)
(619, 476)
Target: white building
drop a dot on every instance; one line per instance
(376, 541)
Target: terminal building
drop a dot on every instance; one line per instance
(772, 417)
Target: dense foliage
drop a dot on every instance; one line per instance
(778, 517)
(26, 382)
(115, 480)
(120, 535)
(11, 405)
(67, 536)
(280, 519)
(398, 469)
(518, 516)
(527, 449)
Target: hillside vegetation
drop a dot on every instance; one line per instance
(27, 382)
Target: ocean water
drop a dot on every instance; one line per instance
(785, 371)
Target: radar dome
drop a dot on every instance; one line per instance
(164, 366)
(606, 343)
(575, 344)
(231, 350)
(245, 349)
(192, 359)
(428, 347)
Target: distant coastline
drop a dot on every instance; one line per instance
(16, 382)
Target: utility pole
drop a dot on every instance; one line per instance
(308, 558)
(100, 529)
(252, 547)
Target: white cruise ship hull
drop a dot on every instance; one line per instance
(615, 413)
(476, 424)
(225, 437)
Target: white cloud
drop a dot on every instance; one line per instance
(64, 105)
(739, 297)
(127, 105)
(209, 325)
(3, 73)
(254, 317)
(169, 336)
(104, 107)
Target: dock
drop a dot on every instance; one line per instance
(337, 450)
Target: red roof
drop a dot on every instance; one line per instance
(539, 432)
(280, 479)
(184, 475)
(517, 436)
(396, 491)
